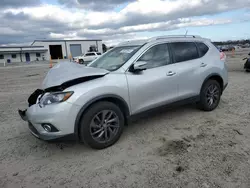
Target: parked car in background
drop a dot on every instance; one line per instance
(87, 57)
(94, 102)
(231, 48)
(226, 48)
(246, 45)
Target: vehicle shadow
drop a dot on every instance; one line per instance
(142, 121)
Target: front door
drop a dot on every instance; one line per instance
(155, 86)
(27, 56)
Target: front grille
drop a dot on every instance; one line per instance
(33, 129)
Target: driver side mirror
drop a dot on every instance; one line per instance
(139, 66)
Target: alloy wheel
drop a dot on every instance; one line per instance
(104, 126)
(212, 94)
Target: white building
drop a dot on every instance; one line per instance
(45, 49)
(10, 54)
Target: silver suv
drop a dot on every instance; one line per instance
(93, 103)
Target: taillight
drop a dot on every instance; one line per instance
(222, 56)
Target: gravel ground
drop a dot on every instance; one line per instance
(182, 147)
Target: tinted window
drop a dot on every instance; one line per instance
(13, 56)
(1, 56)
(98, 53)
(156, 56)
(184, 51)
(203, 48)
(90, 54)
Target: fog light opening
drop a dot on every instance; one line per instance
(47, 127)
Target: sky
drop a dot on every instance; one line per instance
(115, 21)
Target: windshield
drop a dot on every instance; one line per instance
(115, 58)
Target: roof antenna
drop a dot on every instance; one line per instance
(186, 33)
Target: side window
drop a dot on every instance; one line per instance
(156, 56)
(90, 54)
(1, 56)
(203, 48)
(13, 56)
(98, 53)
(184, 51)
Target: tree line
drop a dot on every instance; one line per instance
(233, 42)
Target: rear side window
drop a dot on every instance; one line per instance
(203, 48)
(184, 51)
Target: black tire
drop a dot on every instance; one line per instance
(205, 96)
(86, 129)
(81, 61)
(247, 70)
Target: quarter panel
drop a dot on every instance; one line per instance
(193, 74)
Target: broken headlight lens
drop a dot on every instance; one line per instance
(53, 98)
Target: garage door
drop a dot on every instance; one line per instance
(75, 49)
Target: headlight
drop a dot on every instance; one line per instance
(53, 98)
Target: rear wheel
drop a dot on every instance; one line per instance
(210, 95)
(102, 125)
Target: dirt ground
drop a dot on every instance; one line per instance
(181, 147)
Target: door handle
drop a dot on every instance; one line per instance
(170, 73)
(203, 64)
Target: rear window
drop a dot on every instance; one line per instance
(184, 51)
(203, 48)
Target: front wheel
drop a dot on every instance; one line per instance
(81, 61)
(210, 95)
(102, 125)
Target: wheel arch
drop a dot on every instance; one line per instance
(119, 101)
(216, 77)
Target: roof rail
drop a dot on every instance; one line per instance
(174, 36)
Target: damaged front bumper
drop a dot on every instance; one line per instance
(52, 121)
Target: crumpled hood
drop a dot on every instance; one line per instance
(66, 71)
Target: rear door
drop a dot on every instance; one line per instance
(190, 67)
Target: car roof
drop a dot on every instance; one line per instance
(165, 38)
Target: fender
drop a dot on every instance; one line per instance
(213, 75)
(99, 98)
